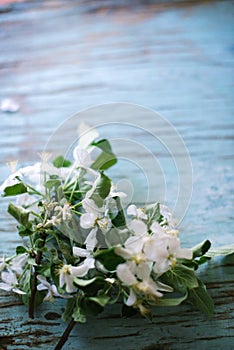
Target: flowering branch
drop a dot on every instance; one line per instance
(81, 245)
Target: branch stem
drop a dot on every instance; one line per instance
(38, 259)
(65, 335)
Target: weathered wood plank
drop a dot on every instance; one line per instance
(57, 57)
(172, 328)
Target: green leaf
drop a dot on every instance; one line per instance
(52, 183)
(84, 283)
(61, 162)
(77, 315)
(165, 301)
(223, 250)
(65, 248)
(14, 190)
(201, 299)
(90, 307)
(202, 260)
(114, 237)
(24, 231)
(153, 212)
(19, 213)
(185, 275)
(180, 278)
(106, 159)
(102, 189)
(201, 248)
(39, 297)
(70, 305)
(92, 286)
(119, 220)
(31, 261)
(100, 300)
(20, 250)
(109, 259)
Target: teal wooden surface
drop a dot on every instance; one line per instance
(58, 57)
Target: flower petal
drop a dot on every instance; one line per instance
(139, 227)
(91, 239)
(131, 298)
(87, 220)
(80, 252)
(125, 274)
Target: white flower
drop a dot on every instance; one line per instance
(113, 192)
(33, 175)
(65, 278)
(138, 213)
(80, 252)
(125, 274)
(93, 211)
(63, 211)
(164, 249)
(132, 298)
(137, 276)
(138, 227)
(18, 263)
(93, 219)
(10, 282)
(52, 289)
(68, 272)
(167, 217)
(132, 249)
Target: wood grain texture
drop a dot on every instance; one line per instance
(58, 57)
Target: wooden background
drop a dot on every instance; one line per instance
(59, 57)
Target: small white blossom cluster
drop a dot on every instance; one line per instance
(10, 270)
(149, 252)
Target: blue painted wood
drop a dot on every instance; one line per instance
(58, 57)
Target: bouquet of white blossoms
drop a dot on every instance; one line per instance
(80, 244)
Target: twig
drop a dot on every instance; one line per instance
(65, 335)
(38, 259)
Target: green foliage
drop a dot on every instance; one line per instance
(87, 282)
(181, 276)
(102, 189)
(109, 259)
(201, 249)
(153, 212)
(90, 307)
(15, 190)
(70, 306)
(52, 183)
(77, 314)
(20, 250)
(115, 236)
(201, 299)
(119, 220)
(20, 214)
(106, 159)
(61, 162)
(65, 248)
(171, 301)
(223, 250)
